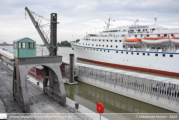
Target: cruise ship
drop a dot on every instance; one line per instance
(150, 48)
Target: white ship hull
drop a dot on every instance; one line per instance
(138, 61)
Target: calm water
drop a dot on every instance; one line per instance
(88, 95)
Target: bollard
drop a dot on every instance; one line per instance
(71, 68)
(76, 106)
(37, 83)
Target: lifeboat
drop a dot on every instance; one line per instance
(175, 40)
(135, 41)
(156, 41)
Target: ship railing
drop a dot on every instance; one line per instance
(160, 88)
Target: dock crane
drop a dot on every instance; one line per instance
(49, 39)
(53, 82)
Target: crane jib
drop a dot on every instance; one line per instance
(50, 40)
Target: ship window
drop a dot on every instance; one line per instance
(123, 46)
(92, 39)
(165, 35)
(143, 53)
(100, 50)
(99, 45)
(92, 44)
(111, 40)
(137, 53)
(116, 51)
(83, 43)
(121, 51)
(103, 40)
(104, 50)
(96, 45)
(107, 40)
(135, 35)
(119, 40)
(111, 45)
(126, 52)
(172, 35)
(99, 40)
(97, 49)
(106, 45)
(115, 40)
(108, 50)
(147, 35)
(148, 54)
(163, 55)
(103, 45)
(156, 54)
(95, 39)
(86, 44)
(141, 35)
(158, 35)
(93, 49)
(132, 53)
(171, 55)
(116, 46)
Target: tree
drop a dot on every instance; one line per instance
(77, 40)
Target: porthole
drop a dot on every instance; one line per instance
(107, 40)
(132, 53)
(163, 55)
(116, 51)
(115, 40)
(104, 50)
(137, 53)
(143, 53)
(171, 55)
(156, 54)
(126, 52)
(121, 51)
(148, 54)
(116, 46)
(111, 40)
(106, 45)
(108, 50)
(119, 40)
(111, 45)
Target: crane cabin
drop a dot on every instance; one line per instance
(24, 48)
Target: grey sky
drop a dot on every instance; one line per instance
(80, 16)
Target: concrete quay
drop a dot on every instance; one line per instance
(39, 102)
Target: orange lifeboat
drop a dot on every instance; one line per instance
(156, 41)
(175, 40)
(135, 41)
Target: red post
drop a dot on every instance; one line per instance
(39, 77)
(100, 108)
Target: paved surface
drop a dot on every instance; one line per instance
(39, 103)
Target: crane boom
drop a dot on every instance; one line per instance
(52, 44)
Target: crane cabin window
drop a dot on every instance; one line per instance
(23, 45)
(31, 45)
(20, 45)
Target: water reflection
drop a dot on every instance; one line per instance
(88, 96)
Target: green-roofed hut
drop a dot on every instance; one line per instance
(24, 48)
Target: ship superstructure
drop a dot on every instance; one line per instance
(141, 47)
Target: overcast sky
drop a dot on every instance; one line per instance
(77, 17)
